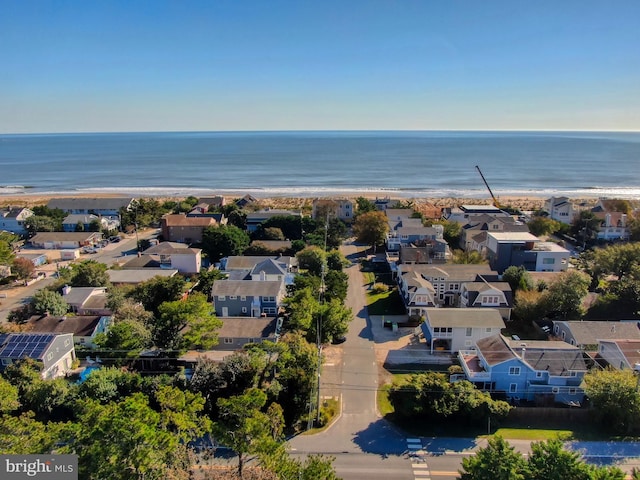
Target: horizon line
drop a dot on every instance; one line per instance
(320, 131)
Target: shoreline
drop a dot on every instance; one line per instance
(524, 202)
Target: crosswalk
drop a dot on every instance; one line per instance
(418, 459)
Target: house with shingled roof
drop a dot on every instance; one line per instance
(543, 372)
(84, 328)
(55, 353)
(12, 219)
(620, 354)
(455, 329)
(585, 334)
(560, 209)
(243, 298)
(485, 294)
(185, 229)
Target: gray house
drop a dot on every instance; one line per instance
(13, 219)
(84, 328)
(104, 207)
(243, 298)
(236, 332)
(586, 334)
(55, 353)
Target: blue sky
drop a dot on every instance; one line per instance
(77, 66)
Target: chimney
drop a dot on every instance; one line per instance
(66, 290)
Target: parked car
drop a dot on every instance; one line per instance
(114, 239)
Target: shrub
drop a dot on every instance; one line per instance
(380, 288)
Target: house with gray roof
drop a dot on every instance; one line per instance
(543, 372)
(454, 329)
(242, 298)
(169, 255)
(65, 240)
(84, 328)
(485, 294)
(620, 354)
(71, 222)
(469, 238)
(236, 332)
(134, 276)
(586, 334)
(248, 262)
(12, 219)
(86, 300)
(54, 352)
(104, 207)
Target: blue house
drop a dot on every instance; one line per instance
(543, 372)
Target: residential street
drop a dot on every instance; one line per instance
(365, 446)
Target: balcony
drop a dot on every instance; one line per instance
(472, 368)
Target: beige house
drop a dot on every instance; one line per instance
(183, 229)
(341, 208)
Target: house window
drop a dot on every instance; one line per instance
(487, 330)
(469, 331)
(82, 340)
(243, 298)
(221, 297)
(49, 356)
(572, 391)
(67, 342)
(563, 335)
(269, 310)
(228, 341)
(244, 309)
(555, 390)
(6, 361)
(232, 297)
(548, 261)
(514, 370)
(513, 387)
(538, 374)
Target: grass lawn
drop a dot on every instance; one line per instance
(542, 430)
(385, 303)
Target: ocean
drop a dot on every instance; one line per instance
(404, 164)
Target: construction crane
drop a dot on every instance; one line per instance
(495, 200)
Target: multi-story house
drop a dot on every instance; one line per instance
(54, 353)
(455, 329)
(560, 209)
(484, 224)
(538, 371)
(466, 213)
(505, 249)
(244, 298)
(71, 222)
(621, 354)
(485, 294)
(103, 207)
(586, 334)
(169, 255)
(341, 208)
(84, 328)
(185, 229)
(13, 219)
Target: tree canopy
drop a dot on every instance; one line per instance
(224, 241)
(371, 228)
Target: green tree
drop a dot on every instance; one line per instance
(45, 301)
(152, 293)
(564, 296)
(336, 285)
(468, 257)
(542, 226)
(22, 268)
(23, 435)
(364, 205)
(89, 273)
(518, 278)
(614, 399)
(312, 259)
(549, 460)
(301, 307)
(9, 399)
(125, 440)
(337, 261)
(224, 241)
(242, 425)
(529, 306)
(206, 279)
(618, 260)
(371, 228)
(289, 225)
(195, 313)
(79, 227)
(6, 253)
(37, 223)
(127, 337)
(497, 461)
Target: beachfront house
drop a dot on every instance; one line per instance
(560, 209)
(340, 208)
(543, 372)
(55, 353)
(108, 207)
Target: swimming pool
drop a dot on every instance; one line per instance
(86, 372)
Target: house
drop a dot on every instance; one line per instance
(71, 222)
(445, 281)
(134, 276)
(340, 208)
(436, 251)
(245, 201)
(236, 332)
(410, 232)
(454, 329)
(485, 294)
(382, 203)
(466, 213)
(37, 259)
(104, 207)
(560, 209)
(213, 202)
(484, 223)
(254, 219)
(248, 262)
(169, 255)
(12, 219)
(65, 240)
(185, 229)
(241, 298)
(505, 249)
(84, 328)
(538, 371)
(54, 352)
(620, 354)
(586, 334)
(86, 300)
